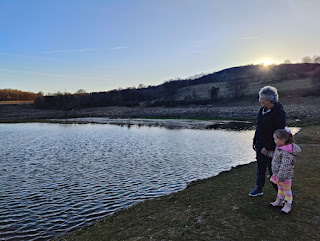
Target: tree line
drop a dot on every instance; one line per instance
(18, 95)
(237, 79)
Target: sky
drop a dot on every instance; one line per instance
(100, 45)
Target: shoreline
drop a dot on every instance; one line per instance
(122, 210)
(165, 123)
(308, 108)
(194, 117)
(205, 211)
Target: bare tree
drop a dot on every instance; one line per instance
(214, 91)
(171, 88)
(142, 86)
(81, 91)
(237, 87)
(307, 60)
(316, 59)
(316, 81)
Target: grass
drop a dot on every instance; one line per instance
(253, 88)
(16, 102)
(219, 208)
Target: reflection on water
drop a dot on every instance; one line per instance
(57, 178)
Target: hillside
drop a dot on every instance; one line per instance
(287, 88)
(290, 80)
(225, 86)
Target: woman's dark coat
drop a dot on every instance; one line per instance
(267, 124)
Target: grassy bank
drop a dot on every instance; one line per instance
(219, 208)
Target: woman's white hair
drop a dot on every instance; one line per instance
(271, 93)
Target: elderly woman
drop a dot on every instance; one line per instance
(270, 118)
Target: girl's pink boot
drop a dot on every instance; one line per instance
(286, 209)
(277, 203)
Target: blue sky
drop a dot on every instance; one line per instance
(99, 45)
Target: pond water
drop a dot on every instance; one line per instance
(56, 178)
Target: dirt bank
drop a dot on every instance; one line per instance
(308, 108)
(167, 123)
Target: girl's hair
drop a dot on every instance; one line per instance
(284, 135)
(271, 93)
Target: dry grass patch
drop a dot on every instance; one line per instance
(16, 102)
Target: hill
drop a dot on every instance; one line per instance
(225, 86)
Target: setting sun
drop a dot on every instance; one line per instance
(266, 63)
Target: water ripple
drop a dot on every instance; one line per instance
(58, 178)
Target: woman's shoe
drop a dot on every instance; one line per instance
(256, 192)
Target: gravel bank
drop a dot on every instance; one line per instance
(308, 110)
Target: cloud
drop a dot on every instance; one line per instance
(200, 45)
(45, 74)
(67, 51)
(62, 76)
(80, 50)
(120, 47)
(246, 38)
(7, 70)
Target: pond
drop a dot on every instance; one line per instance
(56, 178)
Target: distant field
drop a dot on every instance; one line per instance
(202, 91)
(283, 86)
(15, 102)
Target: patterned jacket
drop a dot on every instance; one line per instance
(283, 160)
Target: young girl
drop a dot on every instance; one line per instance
(282, 166)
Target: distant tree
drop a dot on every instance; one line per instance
(80, 91)
(287, 61)
(194, 95)
(58, 93)
(142, 86)
(283, 71)
(214, 91)
(316, 81)
(307, 60)
(237, 87)
(171, 88)
(16, 95)
(316, 59)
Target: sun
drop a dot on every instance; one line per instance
(266, 62)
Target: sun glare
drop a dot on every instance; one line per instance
(266, 63)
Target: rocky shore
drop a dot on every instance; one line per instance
(305, 109)
(166, 123)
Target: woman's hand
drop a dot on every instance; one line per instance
(264, 151)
